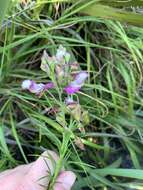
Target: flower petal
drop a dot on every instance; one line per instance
(36, 88)
(75, 86)
(71, 89)
(80, 78)
(49, 85)
(26, 84)
(61, 51)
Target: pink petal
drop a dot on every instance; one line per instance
(75, 86)
(49, 85)
(80, 78)
(72, 89)
(36, 88)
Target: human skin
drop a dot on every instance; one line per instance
(34, 176)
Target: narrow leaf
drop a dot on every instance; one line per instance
(107, 12)
(3, 7)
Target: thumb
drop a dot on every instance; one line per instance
(38, 175)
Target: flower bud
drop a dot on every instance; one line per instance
(62, 55)
(76, 112)
(85, 118)
(79, 143)
(81, 127)
(59, 73)
(44, 63)
(61, 120)
(74, 67)
(48, 63)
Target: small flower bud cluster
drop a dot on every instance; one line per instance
(63, 71)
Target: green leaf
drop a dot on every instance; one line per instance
(130, 173)
(122, 3)
(3, 144)
(3, 7)
(103, 11)
(16, 136)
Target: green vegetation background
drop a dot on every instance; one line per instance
(112, 53)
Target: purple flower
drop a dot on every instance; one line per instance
(76, 85)
(69, 101)
(72, 88)
(26, 84)
(49, 85)
(35, 88)
(81, 77)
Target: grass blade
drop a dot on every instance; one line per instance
(107, 12)
(3, 8)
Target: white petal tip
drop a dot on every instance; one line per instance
(26, 84)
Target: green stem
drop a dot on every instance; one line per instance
(67, 135)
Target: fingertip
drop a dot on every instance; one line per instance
(66, 179)
(59, 186)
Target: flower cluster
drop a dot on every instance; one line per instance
(59, 69)
(67, 76)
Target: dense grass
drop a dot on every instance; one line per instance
(112, 55)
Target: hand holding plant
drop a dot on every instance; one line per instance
(36, 176)
(66, 79)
